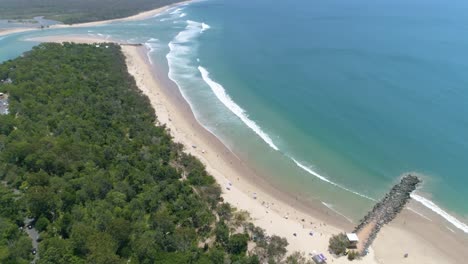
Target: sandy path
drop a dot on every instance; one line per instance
(363, 236)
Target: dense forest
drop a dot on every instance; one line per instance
(77, 11)
(80, 154)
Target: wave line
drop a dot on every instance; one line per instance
(436, 209)
(221, 94)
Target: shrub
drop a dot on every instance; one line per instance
(42, 223)
(338, 244)
(238, 244)
(353, 254)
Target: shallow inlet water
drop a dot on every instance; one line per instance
(332, 100)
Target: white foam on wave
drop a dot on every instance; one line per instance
(329, 206)
(176, 11)
(179, 54)
(205, 27)
(178, 57)
(151, 47)
(221, 94)
(418, 213)
(450, 229)
(436, 209)
(310, 171)
(153, 40)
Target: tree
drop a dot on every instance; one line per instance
(56, 250)
(102, 249)
(42, 201)
(222, 233)
(277, 249)
(103, 182)
(216, 256)
(238, 244)
(224, 211)
(338, 244)
(41, 223)
(352, 255)
(297, 258)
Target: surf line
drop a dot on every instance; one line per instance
(222, 95)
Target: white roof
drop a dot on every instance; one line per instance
(352, 237)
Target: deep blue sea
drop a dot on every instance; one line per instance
(331, 99)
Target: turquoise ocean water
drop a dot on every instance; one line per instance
(332, 100)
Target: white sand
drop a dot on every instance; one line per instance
(4, 32)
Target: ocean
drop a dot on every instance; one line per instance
(330, 100)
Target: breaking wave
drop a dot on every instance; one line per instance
(181, 48)
(436, 209)
(310, 171)
(151, 45)
(329, 206)
(205, 27)
(176, 11)
(221, 94)
(179, 66)
(182, 69)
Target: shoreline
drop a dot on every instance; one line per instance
(140, 16)
(266, 211)
(8, 31)
(426, 241)
(406, 227)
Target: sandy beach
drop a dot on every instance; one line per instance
(139, 16)
(429, 241)
(7, 31)
(425, 241)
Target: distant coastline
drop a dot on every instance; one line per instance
(139, 16)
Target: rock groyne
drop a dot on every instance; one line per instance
(385, 211)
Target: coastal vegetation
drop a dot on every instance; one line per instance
(338, 244)
(77, 11)
(15, 246)
(81, 156)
